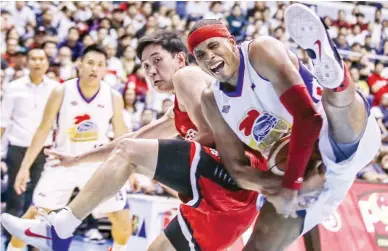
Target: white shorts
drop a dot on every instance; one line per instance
(340, 176)
(56, 185)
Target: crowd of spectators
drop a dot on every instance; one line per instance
(63, 29)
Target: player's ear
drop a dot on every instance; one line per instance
(181, 57)
(232, 40)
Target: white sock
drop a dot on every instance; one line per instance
(117, 247)
(65, 223)
(12, 248)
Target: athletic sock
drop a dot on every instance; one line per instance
(118, 247)
(65, 223)
(346, 82)
(12, 248)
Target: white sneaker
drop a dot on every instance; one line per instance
(94, 236)
(309, 32)
(37, 232)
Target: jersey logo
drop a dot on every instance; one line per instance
(247, 123)
(84, 129)
(225, 108)
(263, 130)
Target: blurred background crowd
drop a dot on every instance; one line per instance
(63, 29)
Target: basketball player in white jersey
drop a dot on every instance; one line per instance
(83, 108)
(262, 93)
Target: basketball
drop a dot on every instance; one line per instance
(277, 159)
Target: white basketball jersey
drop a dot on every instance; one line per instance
(254, 110)
(83, 123)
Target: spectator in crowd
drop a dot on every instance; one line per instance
(19, 66)
(67, 68)
(73, 43)
(258, 7)
(215, 11)
(22, 108)
(116, 74)
(87, 40)
(166, 104)
(12, 48)
(47, 22)
(341, 42)
(24, 16)
(132, 109)
(374, 172)
(137, 79)
(377, 83)
(368, 45)
(357, 35)
(237, 23)
(50, 47)
(361, 22)
(362, 85)
(376, 28)
(365, 67)
(146, 117)
(341, 20)
(129, 60)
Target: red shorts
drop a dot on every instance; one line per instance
(218, 212)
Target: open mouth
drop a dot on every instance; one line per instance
(217, 68)
(157, 82)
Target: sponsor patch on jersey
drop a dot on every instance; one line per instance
(225, 108)
(84, 129)
(263, 130)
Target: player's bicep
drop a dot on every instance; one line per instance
(52, 108)
(274, 64)
(189, 89)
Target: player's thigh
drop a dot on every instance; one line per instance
(161, 243)
(346, 123)
(142, 153)
(273, 232)
(174, 164)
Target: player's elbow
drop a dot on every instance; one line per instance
(239, 175)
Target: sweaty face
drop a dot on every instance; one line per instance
(160, 67)
(218, 57)
(93, 66)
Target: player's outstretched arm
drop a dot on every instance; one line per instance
(163, 128)
(50, 113)
(231, 150)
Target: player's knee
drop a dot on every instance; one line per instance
(126, 148)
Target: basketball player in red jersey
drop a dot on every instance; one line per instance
(215, 202)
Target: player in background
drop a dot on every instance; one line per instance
(83, 108)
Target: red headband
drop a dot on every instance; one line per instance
(206, 32)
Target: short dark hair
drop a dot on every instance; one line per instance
(170, 41)
(49, 42)
(203, 22)
(94, 48)
(35, 49)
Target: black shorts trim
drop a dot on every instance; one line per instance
(174, 234)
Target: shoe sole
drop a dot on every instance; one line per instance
(307, 30)
(8, 227)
